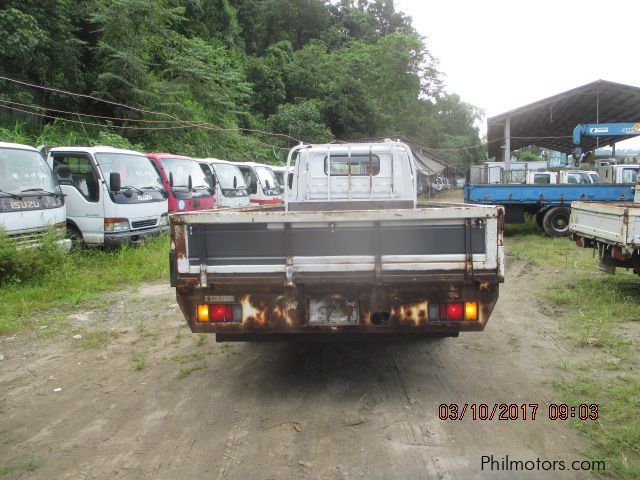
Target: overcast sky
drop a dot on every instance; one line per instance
(499, 55)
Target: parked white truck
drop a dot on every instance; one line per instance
(113, 196)
(31, 202)
(618, 173)
(611, 228)
(349, 254)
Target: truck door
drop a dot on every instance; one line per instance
(80, 183)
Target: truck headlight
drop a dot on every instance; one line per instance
(116, 224)
(163, 222)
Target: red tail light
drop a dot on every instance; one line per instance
(220, 312)
(453, 311)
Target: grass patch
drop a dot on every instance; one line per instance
(6, 436)
(190, 362)
(82, 276)
(600, 314)
(137, 362)
(93, 339)
(17, 468)
(187, 370)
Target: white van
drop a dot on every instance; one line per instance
(227, 181)
(263, 187)
(31, 201)
(113, 196)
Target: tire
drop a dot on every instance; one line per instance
(73, 234)
(556, 222)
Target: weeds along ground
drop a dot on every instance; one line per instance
(65, 280)
(600, 315)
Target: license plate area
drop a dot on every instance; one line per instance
(334, 311)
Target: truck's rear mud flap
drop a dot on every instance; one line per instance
(330, 337)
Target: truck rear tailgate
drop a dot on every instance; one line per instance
(406, 240)
(614, 223)
(364, 271)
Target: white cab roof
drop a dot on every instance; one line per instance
(96, 149)
(215, 160)
(17, 146)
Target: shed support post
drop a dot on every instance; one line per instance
(507, 144)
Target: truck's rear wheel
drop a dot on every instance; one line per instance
(556, 222)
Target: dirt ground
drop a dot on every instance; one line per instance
(140, 397)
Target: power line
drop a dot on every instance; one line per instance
(123, 127)
(142, 110)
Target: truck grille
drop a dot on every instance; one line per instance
(30, 239)
(144, 223)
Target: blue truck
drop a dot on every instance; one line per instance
(549, 204)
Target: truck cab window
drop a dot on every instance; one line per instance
(249, 179)
(360, 165)
(76, 171)
(629, 175)
(208, 176)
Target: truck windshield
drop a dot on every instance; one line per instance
(181, 169)
(265, 175)
(25, 171)
(135, 170)
(226, 173)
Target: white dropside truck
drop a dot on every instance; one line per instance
(227, 181)
(113, 196)
(351, 254)
(31, 201)
(611, 228)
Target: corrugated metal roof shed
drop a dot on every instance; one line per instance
(426, 163)
(549, 123)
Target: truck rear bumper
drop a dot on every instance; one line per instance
(362, 308)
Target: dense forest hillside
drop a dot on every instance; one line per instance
(205, 77)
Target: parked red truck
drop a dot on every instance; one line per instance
(183, 179)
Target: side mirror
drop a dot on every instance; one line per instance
(268, 185)
(235, 182)
(290, 180)
(115, 182)
(214, 182)
(190, 183)
(171, 179)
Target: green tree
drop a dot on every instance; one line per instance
(302, 120)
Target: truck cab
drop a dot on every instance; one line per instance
(227, 181)
(261, 183)
(537, 177)
(618, 173)
(279, 173)
(575, 176)
(113, 196)
(31, 201)
(184, 180)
